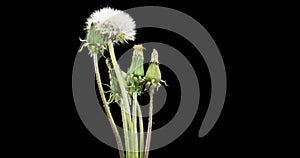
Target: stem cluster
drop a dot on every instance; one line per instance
(124, 90)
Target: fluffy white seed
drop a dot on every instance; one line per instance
(111, 22)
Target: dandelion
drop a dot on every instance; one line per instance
(135, 83)
(106, 25)
(106, 28)
(136, 67)
(136, 70)
(153, 72)
(153, 79)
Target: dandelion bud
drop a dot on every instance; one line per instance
(137, 63)
(153, 72)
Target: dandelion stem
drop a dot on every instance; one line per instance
(124, 94)
(141, 126)
(126, 134)
(134, 122)
(107, 110)
(120, 80)
(149, 132)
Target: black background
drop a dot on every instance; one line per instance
(56, 129)
(228, 135)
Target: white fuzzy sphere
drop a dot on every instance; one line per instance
(111, 22)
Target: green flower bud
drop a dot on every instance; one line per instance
(137, 63)
(153, 72)
(136, 70)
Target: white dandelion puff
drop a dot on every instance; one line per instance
(106, 25)
(111, 23)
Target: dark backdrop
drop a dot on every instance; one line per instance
(233, 26)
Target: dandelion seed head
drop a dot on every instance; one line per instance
(113, 24)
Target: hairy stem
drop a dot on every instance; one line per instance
(107, 110)
(149, 132)
(141, 126)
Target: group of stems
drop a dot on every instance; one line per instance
(129, 123)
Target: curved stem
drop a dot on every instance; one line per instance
(124, 93)
(120, 81)
(141, 130)
(149, 132)
(107, 110)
